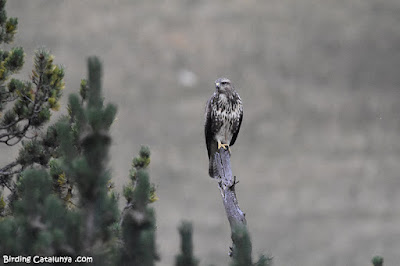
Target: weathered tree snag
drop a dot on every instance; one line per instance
(226, 185)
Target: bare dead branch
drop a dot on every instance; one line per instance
(226, 185)
(7, 171)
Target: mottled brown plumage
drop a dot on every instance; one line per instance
(223, 117)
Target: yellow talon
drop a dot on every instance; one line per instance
(223, 146)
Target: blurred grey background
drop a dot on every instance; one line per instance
(318, 155)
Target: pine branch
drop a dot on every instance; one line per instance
(6, 174)
(6, 169)
(31, 107)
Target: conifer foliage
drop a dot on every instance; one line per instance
(377, 261)
(25, 107)
(186, 257)
(138, 218)
(84, 145)
(41, 222)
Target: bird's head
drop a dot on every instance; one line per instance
(223, 85)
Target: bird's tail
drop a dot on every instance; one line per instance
(212, 167)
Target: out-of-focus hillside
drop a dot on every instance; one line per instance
(318, 155)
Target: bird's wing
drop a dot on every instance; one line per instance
(236, 127)
(207, 127)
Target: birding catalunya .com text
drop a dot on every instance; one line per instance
(45, 259)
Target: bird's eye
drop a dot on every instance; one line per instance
(224, 83)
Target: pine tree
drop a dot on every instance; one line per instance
(186, 258)
(84, 142)
(138, 219)
(25, 107)
(41, 223)
(377, 261)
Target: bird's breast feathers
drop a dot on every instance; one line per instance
(226, 114)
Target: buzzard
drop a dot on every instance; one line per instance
(223, 117)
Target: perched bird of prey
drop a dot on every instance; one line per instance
(223, 117)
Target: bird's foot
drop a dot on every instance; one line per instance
(225, 146)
